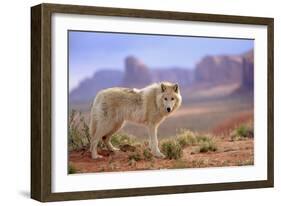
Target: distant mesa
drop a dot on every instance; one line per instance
(219, 69)
(248, 75)
(214, 70)
(183, 76)
(249, 55)
(136, 73)
(248, 71)
(211, 71)
(88, 88)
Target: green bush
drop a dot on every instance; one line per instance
(78, 131)
(186, 138)
(147, 154)
(122, 139)
(202, 138)
(206, 146)
(242, 132)
(71, 169)
(172, 149)
(135, 156)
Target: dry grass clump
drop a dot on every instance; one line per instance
(120, 139)
(186, 138)
(242, 132)
(78, 131)
(207, 146)
(205, 143)
(72, 169)
(171, 149)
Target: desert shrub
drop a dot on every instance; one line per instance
(147, 155)
(85, 130)
(242, 132)
(172, 149)
(78, 131)
(74, 132)
(122, 139)
(135, 156)
(202, 138)
(204, 143)
(71, 169)
(208, 145)
(186, 138)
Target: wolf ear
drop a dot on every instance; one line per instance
(163, 87)
(176, 88)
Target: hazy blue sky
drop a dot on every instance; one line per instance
(92, 51)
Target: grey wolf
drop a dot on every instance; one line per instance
(148, 106)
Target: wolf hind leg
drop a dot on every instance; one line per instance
(107, 139)
(94, 143)
(94, 148)
(95, 138)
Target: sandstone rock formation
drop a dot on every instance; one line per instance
(219, 70)
(136, 73)
(211, 71)
(88, 88)
(182, 76)
(214, 70)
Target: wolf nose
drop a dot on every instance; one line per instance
(168, 109)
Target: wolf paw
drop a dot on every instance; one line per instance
(114, 149)
(97, 156)
(159, 155)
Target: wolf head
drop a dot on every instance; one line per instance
(169, 98)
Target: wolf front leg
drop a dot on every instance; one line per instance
(153, 143)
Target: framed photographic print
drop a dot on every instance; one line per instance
(130, 102)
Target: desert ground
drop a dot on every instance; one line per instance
(213, 133)
(230, 153)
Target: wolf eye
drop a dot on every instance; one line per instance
(165, 99)
(172, 98)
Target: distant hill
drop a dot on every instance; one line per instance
(182, 76)
(88, 88)
(214, 70)
(248, 71)
(217, 72)
(136, 73)
(219, 69)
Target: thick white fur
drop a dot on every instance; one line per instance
(148, 106)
